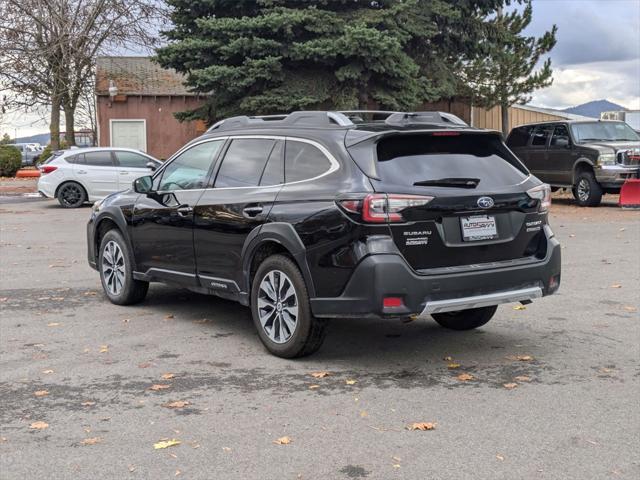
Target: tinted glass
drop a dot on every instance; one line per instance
(244, 163)
(132, 160)
(274, 171)
(75, 159)
(541, 134)
(560, 136)
(98, 159)
(304, 161)
(519, 137)
(409, 160)
(191, 168)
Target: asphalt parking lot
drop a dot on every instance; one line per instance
(86, 369)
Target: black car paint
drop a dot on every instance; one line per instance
(211, 250)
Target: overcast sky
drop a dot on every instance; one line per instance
(597, 56)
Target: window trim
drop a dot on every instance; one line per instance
(335, 165)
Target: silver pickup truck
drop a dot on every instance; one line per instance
(590, 157)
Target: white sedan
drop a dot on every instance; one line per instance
(90, 174)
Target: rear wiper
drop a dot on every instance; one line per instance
(450, 182)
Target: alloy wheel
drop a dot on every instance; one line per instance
(584, 190)
(278, 306)
(113, 267)
(71, 194)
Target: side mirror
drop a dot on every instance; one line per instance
(152, 166)
(143, 184)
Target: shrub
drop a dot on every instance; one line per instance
(47, 152)
(10, 161)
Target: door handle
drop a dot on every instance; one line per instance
(124, 173)
(252, 211)
(184, 210)
(82, 172)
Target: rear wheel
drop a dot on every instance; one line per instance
(586, 191)
(281, 311)
(116, 271)
(71, 195)
(465, 319)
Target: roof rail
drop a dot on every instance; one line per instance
(408, 118)
(302, 118)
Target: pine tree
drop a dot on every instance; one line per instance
(506, 73)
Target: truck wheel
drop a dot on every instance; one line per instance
(465, 319)
(116, 271)
(586, 191)
(281, 311)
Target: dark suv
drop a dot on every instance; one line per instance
(590, 157)
(319, 215)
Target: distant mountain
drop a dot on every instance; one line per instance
(41, 138)
(594, 108)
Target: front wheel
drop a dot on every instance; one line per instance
(281, 311)
(586, 191)
(465, 319)
(116, 271)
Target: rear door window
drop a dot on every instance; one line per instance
(244, 162)
(519, 137)
(444, 161)
(304, 161)
(98, 159)
(540, 135)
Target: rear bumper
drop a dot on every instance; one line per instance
(613, 176)
(388, 275)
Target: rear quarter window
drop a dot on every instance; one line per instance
(409, 159)
(304, 161)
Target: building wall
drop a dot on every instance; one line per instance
(165, 135)
(483, 118)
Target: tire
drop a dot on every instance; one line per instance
(290, 330)
(465, 319)
(120, 287)
(71, 195)
(586, 191)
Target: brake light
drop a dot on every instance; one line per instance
(47, 169)
(542, 193)
(391, 302)
(382, 208)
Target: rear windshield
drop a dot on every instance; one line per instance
(409, 160)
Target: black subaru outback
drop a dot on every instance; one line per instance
(319, 215)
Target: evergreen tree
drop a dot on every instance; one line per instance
(505, 73)
(272, 56)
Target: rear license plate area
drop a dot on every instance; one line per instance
(478, 227)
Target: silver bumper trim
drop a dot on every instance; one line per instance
(465, 303)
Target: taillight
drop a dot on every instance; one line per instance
(542, 193)
(382, 208)
(47, 169)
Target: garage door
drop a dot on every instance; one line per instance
(129, 134)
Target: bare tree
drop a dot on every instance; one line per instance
(48, 48)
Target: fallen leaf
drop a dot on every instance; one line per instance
(157, 387)
(177, 473)
(572, 235)
(629, 308)
(363, 414)
(47, 371)
(522, 378)
(204, 320)
(168, 317)
(88, 403)
(144, 365)
(53, 324)
(320, 374)
(524, 358)
(226, 449)
(41, 393)
(91, 441)
(351, 382)
(423, 426)
(176, 404)
(519, 307)
(464, 377)
(167, 376)
(126, 320)
(510, 386)
(104, 348)
(282, 441)
(39, 425)
(500, 457)
(166, 444)
(616, 285)
(132, 468)
(447, 359)
(453, 366)
(313, 387)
